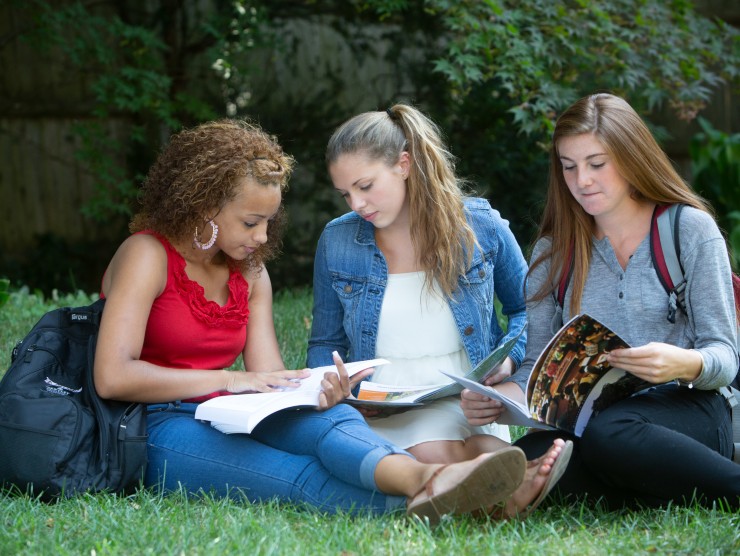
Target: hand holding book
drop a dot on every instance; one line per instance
(571, 380)
(337, 385)
(241, 413)
(388, 398)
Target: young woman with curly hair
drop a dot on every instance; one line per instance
(188, 293)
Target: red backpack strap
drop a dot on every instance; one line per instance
(565, 276)
(736, 291)
(665, 251)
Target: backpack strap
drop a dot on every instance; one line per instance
(565, 276)
(732, 395)
(665, 251)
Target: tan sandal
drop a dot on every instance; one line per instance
(479, 483)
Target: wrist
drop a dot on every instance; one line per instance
(230, 384)
(694, 373)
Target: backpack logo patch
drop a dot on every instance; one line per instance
(59, 389)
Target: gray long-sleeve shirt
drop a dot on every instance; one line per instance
(634, 304)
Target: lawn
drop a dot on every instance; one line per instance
(148, 523)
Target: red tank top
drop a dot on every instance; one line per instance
(187, 331)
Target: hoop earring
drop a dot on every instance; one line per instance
(214, 234)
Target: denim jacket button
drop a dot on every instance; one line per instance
(468, 331)
(481, 273)
(347, 289)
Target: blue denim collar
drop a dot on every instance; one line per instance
(365, 232)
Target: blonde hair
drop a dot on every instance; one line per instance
(637, 157)
(442, 237)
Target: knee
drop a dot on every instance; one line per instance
(342, 413)
(442, 451)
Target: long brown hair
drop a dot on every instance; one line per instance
(199, 171)
(440, 232)
(637, 157)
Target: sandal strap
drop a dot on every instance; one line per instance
(429, 485)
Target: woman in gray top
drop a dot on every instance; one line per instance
(671, 442)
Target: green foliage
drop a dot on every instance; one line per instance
(136, 76)
(502, 67)
(4, 291)
(543, 54)
(715, 165)
(55, 263)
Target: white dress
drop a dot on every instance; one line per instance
(418, 335)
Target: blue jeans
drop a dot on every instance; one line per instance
(324, 459)
(667, 445)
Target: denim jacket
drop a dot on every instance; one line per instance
(350, 276)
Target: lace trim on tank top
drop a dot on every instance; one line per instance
(236, 310)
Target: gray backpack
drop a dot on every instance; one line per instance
(665, 250)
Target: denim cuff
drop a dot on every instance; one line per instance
(371, 460)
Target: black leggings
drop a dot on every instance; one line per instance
(669, 444)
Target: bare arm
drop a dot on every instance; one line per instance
(262, 351)
(136, 276)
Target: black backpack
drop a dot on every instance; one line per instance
(57, 437)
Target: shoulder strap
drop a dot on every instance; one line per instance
(567, 272)
(665, 251)
(736, 291)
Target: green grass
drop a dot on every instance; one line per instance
(146, 523)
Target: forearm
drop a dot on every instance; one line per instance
(542, 323)
(140, 381)
(516, 323)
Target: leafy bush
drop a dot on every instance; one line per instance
(4, 291)
(715, 165)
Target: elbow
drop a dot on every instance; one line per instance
(106, 386)
(102, 388)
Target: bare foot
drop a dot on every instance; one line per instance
(538, 480)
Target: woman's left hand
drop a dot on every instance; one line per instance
(335, 387)
(657, 362)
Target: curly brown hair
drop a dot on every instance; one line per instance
(198, 172)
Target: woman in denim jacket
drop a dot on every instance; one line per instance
(410, 276)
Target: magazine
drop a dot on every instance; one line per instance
(377, 396)
(571, 380)
(240, 413)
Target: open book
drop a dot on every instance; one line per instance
(571, 380)
(378, 396)
(242, 412)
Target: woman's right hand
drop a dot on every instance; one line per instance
(482, 410)
(478, 409)
(336, 387)
(241, 382)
